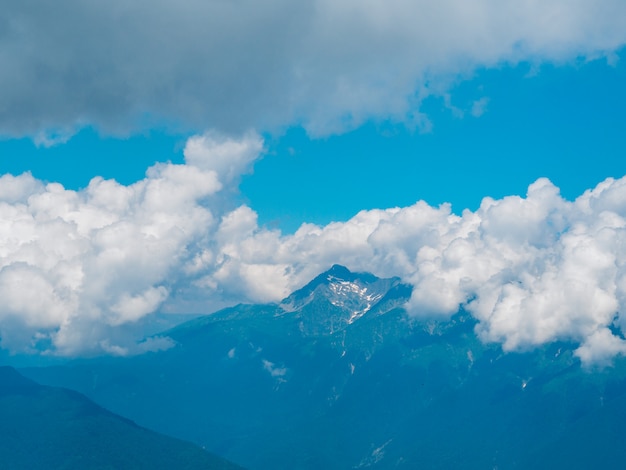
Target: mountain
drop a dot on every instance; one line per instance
(338, 376)
(54, 428)
(338, 298)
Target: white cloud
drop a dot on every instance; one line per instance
(265, 64)
(273, 369)
(532, 270)
(600, 348)
(76, 264)
(79, 267)
(228, 157)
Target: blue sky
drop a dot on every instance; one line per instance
(185, 156)
(562, 122)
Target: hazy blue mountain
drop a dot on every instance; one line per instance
(53, 428)
(337, 376)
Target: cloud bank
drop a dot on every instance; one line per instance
(77, 265)
(235, 65)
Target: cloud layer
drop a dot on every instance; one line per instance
(235, 65)
(532, 270)
(76, 266)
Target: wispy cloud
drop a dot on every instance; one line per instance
(265, 64)
(273, 369)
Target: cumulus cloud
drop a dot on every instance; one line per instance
(74, 264)
(264, 64)
(531, 270)
(78, 266)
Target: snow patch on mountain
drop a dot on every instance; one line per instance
(352, 296)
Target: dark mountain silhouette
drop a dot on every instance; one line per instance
(54, 428)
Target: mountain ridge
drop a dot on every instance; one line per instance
(327, 304)
(338, 297)
(309, 389)
(47, 427)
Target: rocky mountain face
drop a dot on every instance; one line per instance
(338, 298)
(337, 376)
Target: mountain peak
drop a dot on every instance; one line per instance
(348, 296)
(338, 272)
(338, 269)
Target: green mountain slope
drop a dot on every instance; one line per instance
(338, 377)
(54, 428)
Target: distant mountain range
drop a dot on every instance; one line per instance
(337, 376)
(52, 428)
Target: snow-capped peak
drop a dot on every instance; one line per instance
(350, 295)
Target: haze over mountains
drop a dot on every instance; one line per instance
(338, 376)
